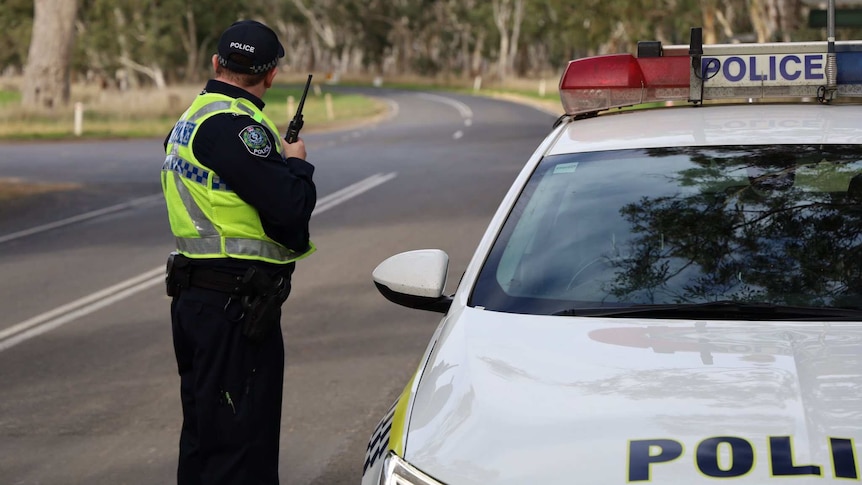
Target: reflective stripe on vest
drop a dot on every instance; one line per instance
(203, 225)
(247, 247)
(221, 106)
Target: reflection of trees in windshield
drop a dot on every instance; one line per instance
(770, 224)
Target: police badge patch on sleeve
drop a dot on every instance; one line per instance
(255, 140)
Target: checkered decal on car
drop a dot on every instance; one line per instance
(379, 442)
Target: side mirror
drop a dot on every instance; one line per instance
(415, 279)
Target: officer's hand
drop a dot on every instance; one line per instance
(295, 149)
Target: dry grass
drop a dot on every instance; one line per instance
(13, 188)
(143, 102)
(109, 113)
(143, 112)
(152, 112)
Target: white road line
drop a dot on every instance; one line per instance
(352, 191)
(82, 217)
(462, 108)
(393, 107)
(52, 319)
(78, 308)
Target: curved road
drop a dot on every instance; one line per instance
(89, 387)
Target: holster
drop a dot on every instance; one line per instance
(262, 297)
(259, 294)
(177, 273)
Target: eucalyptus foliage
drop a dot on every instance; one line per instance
(159, 42)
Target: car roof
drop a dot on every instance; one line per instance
(712, 124)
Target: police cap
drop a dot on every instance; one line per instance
(249, 47)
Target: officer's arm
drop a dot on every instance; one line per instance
(282, 191)
(295, 149)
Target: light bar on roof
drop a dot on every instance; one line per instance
(775, 70)
(613, 81)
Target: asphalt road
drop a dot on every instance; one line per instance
(89, 392)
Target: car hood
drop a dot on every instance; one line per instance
(515, 399)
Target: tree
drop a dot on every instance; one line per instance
(135, 42)
(508, 15)
(16, 20)
(50, 54)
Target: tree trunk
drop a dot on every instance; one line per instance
(324, 31)
(153, 72)
(758, 23)
(508, 15)
(47, 70)
(190, 44)
(502, 12)
(517, 19)
(709, 12)
(476, 64)
(125, 76)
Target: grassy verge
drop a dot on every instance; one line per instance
(14, 188)
(152, 113)
(9, 97)
(542, 93)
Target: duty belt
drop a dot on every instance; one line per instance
(182, 273)
(259, 295)
(210, 279)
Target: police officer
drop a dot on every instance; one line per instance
(239, 200)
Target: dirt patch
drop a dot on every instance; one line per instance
(14, 188)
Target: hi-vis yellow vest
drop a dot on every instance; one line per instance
(207, 218)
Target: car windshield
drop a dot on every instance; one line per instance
(762, 225)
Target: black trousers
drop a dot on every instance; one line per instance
(231, 393)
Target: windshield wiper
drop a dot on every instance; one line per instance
(721, 310)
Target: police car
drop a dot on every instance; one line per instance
(667, 294)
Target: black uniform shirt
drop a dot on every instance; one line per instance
(282, 190)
